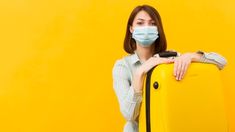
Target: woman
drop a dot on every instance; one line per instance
(144, 39)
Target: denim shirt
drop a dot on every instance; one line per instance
(129, 101)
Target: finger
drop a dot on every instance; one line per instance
(185, 69)
(182, 71)
(169, 60)
(175, 67)
(178, 70)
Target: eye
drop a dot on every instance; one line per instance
(139, 23)
(153, 23)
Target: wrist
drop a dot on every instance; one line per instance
(138, 80)
(195, 57)
(138, 91)
(140, 72)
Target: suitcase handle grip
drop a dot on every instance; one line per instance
(168, 54)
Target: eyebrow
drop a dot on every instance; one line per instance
(144, 20)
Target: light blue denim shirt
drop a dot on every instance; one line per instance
(129, 101)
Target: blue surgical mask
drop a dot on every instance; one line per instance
(145, 36)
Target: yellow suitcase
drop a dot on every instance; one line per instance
(194, 104)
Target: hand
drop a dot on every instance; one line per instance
(181, 65)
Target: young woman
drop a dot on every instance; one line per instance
(144, 39)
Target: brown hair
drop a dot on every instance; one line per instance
(160, 43)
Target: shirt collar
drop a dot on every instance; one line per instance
(134, 58)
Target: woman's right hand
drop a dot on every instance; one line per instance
(144, 68)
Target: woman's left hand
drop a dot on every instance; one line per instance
(181, 65)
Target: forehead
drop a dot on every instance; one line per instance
(142, 15)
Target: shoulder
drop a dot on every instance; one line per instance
(124, 60)
(121, 65)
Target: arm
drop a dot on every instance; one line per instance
(128, 99)
(213, 58)
(130, 93)
(182, 62)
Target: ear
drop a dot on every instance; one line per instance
(131, 29)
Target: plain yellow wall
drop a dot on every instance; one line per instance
(56, 58)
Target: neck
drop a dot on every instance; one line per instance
(145, 53)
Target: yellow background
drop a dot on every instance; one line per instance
(56, 58)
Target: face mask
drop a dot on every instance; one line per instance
(145, 36)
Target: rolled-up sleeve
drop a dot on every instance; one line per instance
(214, 58)
(129, 101)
